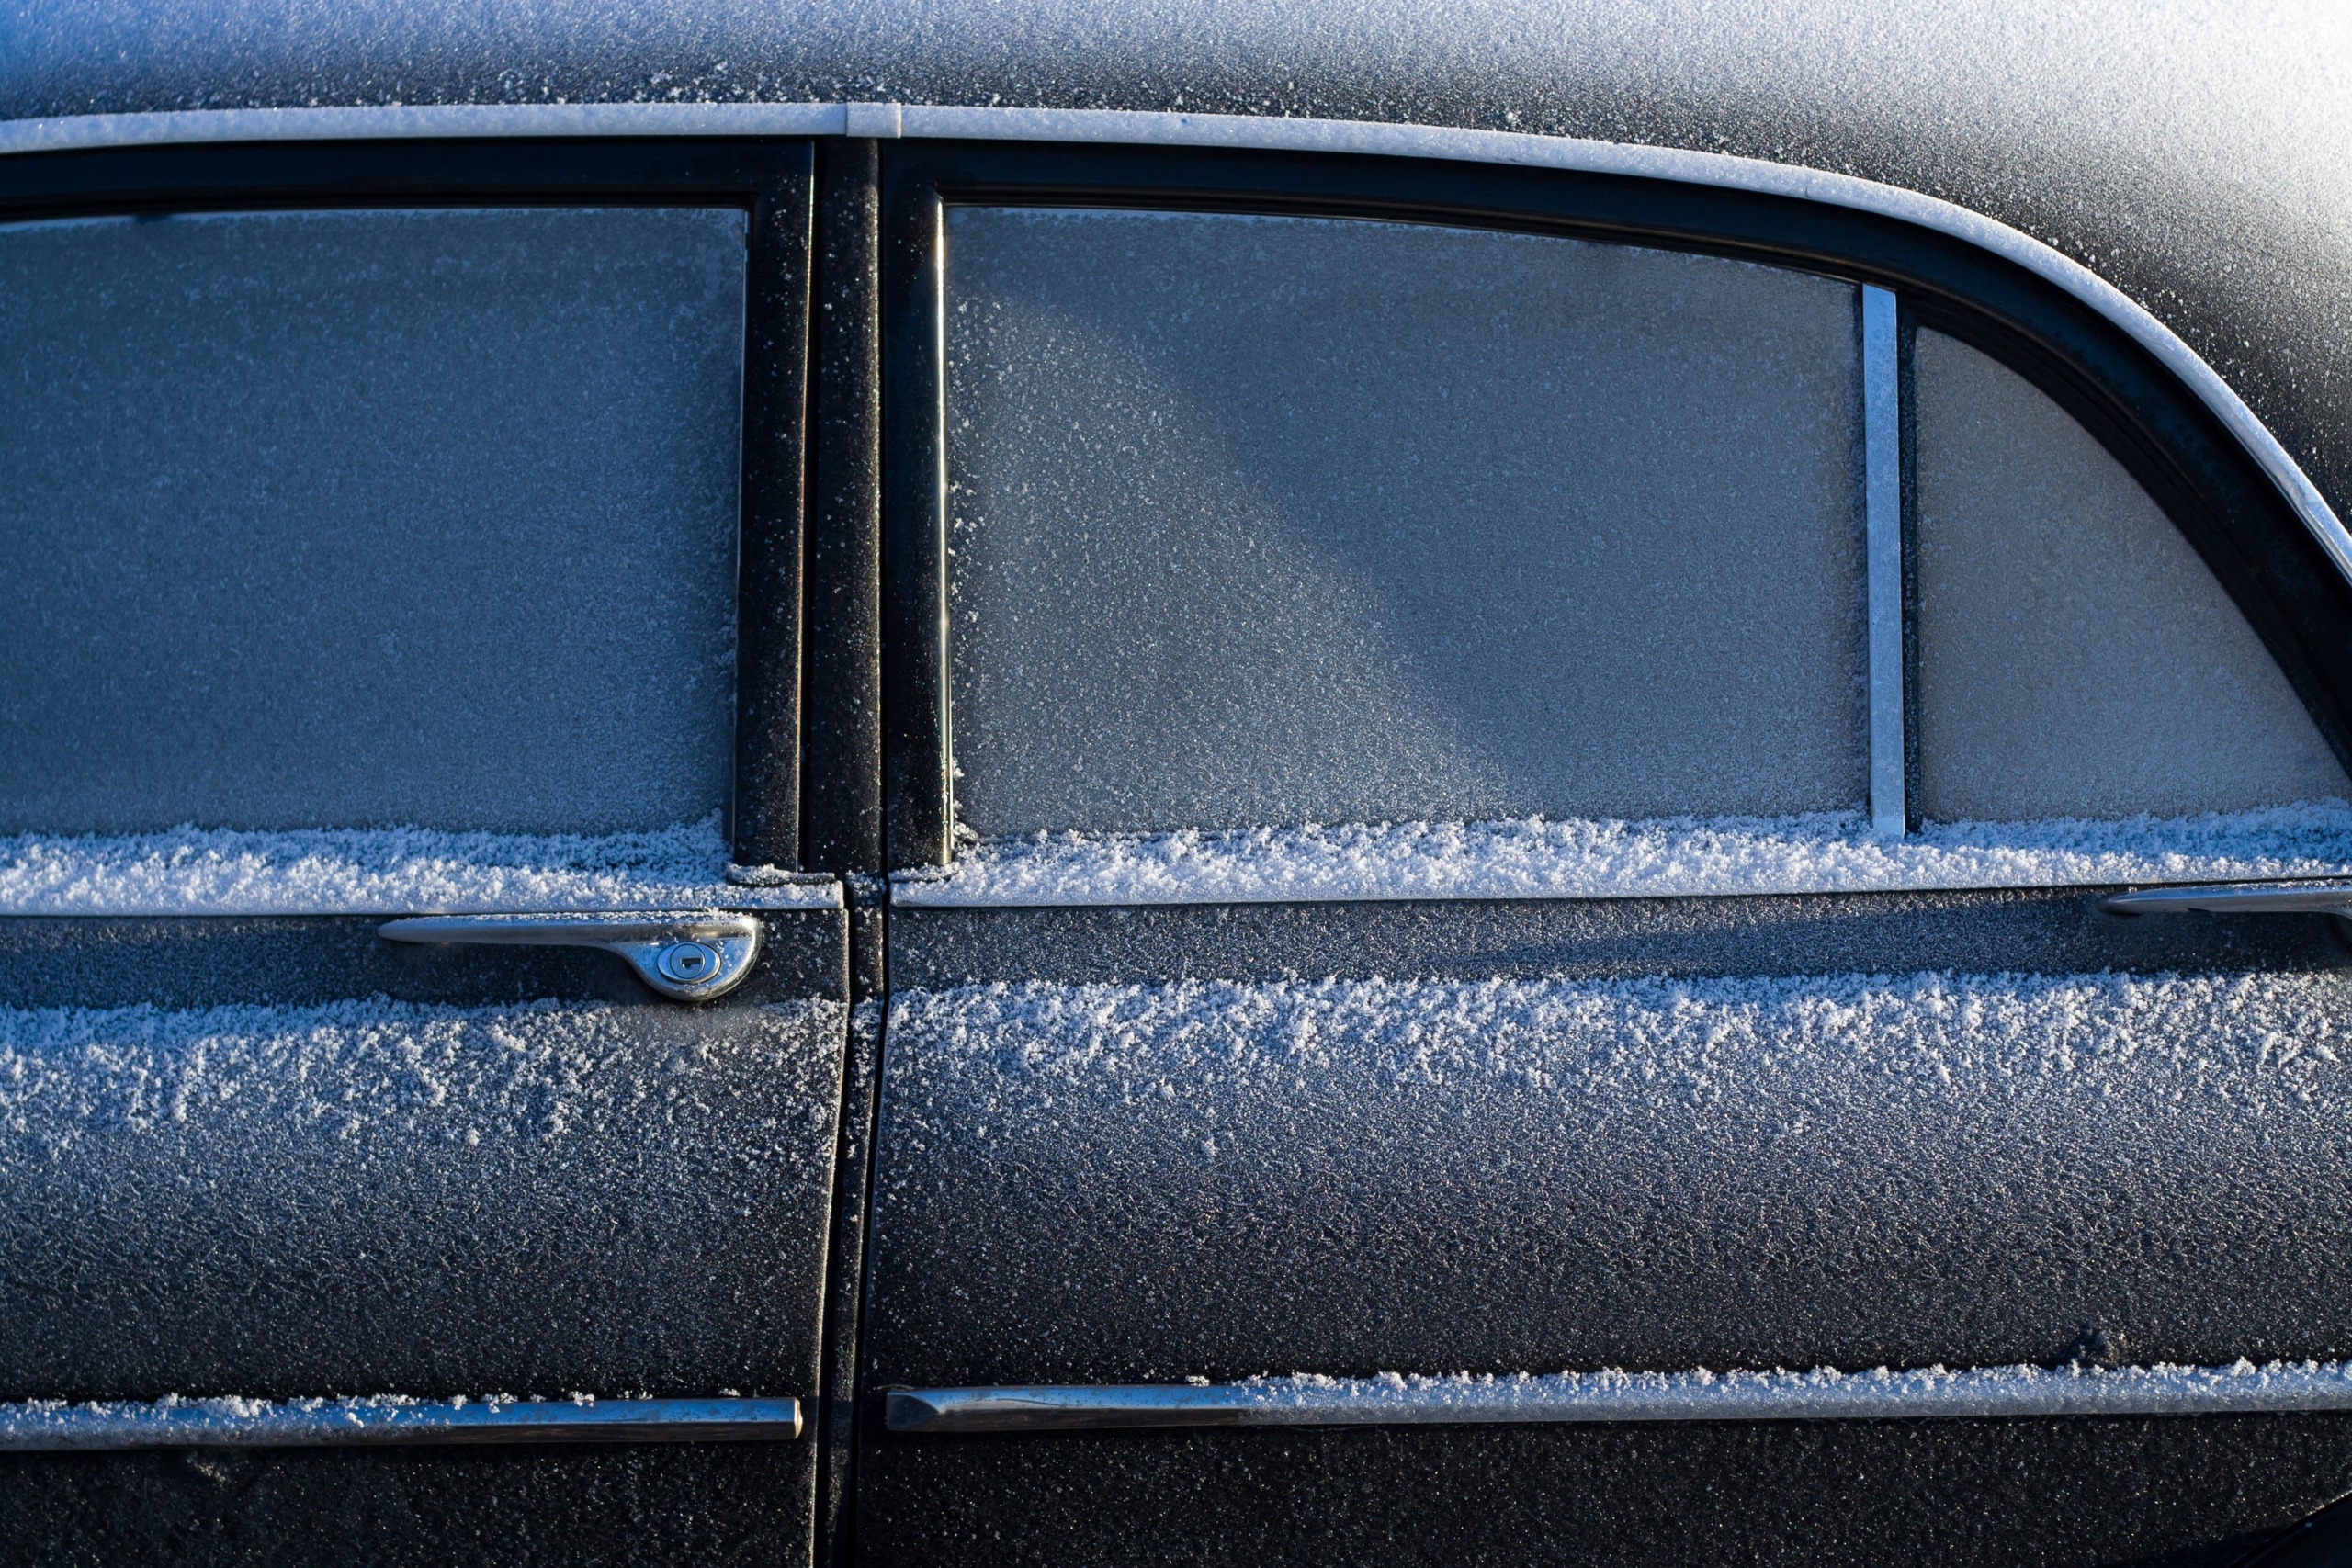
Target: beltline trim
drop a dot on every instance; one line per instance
(1931, 1393)
(45, 1426)
(1240, 131)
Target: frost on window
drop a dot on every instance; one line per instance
(366, 518)
(2076, 657)
(1281, 520)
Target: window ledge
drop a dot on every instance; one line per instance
(1671, 857)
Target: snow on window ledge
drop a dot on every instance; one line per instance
(1682, 856)
(393, 870)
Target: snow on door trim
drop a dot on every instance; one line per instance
(391, 871)
(1820, 852)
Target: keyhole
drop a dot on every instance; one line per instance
(687, 962)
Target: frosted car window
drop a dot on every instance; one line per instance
(351, 519)
(1267, 520)
(2076, 657)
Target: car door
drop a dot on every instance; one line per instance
(1513, 796)
(422, 1054)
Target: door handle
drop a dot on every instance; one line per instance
(2332, 897)
(693, 958)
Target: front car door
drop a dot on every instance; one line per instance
(421, 1059)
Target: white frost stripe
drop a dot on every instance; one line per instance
(408, 122)
(53, 1426)
(1825, 1394)
(1678, 857)
(1135, 128)
(397, 871)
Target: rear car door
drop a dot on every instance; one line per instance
(420, 1057)
(1511, 791)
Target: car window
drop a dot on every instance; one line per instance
(357, 518)
(2076, 657)
(1277, 519)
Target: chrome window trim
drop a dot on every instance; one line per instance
(1882, 529)
(1259, 133)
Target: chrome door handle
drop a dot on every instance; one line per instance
(693, 958)
(2331, 897)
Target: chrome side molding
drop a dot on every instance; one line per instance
(2318, 898)
(1932, 1393)
(53, 1427)
(1048, 1409)
(690, 958)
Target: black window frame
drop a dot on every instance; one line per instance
(2170, 441)
(770, 180)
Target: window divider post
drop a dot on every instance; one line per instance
(1883, 534)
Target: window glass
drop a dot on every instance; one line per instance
(349, 519)
(1273, 520)
(2076, 657)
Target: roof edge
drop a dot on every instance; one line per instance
(1261, 133)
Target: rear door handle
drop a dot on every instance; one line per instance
(2332, 897)
(693, 958)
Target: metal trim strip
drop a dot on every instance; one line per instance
(1144, 128)
(406, 122)
(2328, 897)
(1882, 549)
(52, 1427)
(1930, 1393)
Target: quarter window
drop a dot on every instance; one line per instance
(2076, 657)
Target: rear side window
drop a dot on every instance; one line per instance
(361, 518)
(1273, 519)
(2076, 657)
